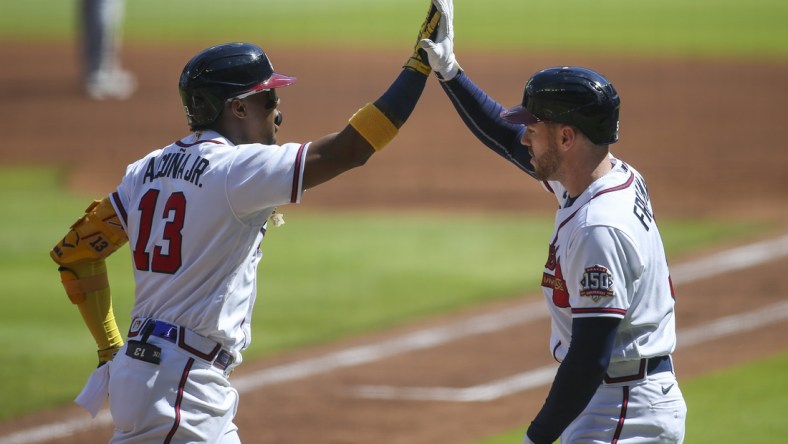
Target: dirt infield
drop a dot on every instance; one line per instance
(705, 134)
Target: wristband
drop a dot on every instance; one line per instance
(374, 126)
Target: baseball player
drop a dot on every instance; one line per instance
(606, 280)
(194, 214)
(104, 78)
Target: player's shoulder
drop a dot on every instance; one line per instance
(612, 194)
(268, 147)
(260, 152)
(622, 203)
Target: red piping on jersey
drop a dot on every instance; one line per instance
(623, 186)
(187, 145)
(297, 174)
(617, 311)
(178, 399)
(622, 416)
(119, 206)
(547, 185)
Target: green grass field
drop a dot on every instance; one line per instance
(51, 352)
(718, 28)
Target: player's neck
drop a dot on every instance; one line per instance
(585, 172)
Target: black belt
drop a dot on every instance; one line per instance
(217, 356)
(659, 364)
(647, 366)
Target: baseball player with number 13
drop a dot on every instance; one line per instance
(606, 279)
(195, 213)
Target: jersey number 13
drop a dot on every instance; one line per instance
(173, 215)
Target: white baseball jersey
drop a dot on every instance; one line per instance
(195, 213)
(606, 258)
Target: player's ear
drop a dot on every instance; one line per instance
(568, 135)
(238, 108)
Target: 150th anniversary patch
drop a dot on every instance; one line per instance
(597, 283)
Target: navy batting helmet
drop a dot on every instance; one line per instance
(220, 73)
(575, 96)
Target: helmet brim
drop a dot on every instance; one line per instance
(275, 81)
(519, 115)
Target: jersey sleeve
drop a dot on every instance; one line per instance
(264, 176)
(602, 272)
(121, 197)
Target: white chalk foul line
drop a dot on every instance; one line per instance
(542, 376)
(58, 430)
(419, 340)
(484, 392)
(730, 260)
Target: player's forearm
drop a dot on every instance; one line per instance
(481, 114)
(379, 122)
(369, 130)
(571, 392)
(577, 379)
(94, 303)
(83, 272)
(399, 100)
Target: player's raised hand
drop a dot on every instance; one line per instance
(440, 49)
(418, 61)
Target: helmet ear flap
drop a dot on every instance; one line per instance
(199, 105)
(201, 110)
(207, 107)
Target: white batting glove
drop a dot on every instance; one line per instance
(441, 52)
